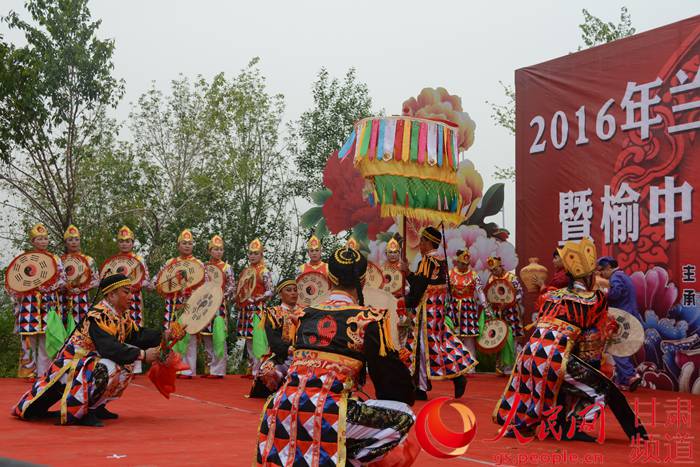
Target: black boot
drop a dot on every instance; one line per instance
(259, 391)
(460, 386)
(90, 419)
(103, 414)
(421, 395)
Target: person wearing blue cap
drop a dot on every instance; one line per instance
(622, 295)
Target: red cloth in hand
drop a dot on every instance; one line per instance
(162, 373)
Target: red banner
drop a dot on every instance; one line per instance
(607, 147)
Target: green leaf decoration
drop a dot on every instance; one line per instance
(492, 203)
(320, 197)
(311, 217)
(321, 229)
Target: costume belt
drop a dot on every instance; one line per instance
(327, 361)
(568, 328)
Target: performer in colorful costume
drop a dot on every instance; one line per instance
(173, 302)
(75, 302)
(391, 266)
(313, 248)
(254, 305)
(94, 365)
(312, 419)
(559, 367)
(468, 300)
(280, 323)
(510, 313)
(214, 335)
(33, 308)
(436, 353)
(125, 244)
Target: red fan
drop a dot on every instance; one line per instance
(163, 371)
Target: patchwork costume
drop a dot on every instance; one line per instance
(259, 278)
(174, 301)
(75, 302)
(313, 418)
(32, 309)
(560, 365)
(435, 352)
(468, 302)
(214, 334)
(92, 368)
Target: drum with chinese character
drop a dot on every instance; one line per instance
(180, 275)
(215, 275)
(311, 285)
(500, 293)
(77, 271)
(374, 277)
(30, 271)
(494, 336)
(128, 265)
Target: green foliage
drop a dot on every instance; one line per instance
(9, 341)
(504, 114)
(595, 31)
(504, 173)
(53, 95)
(323, 128)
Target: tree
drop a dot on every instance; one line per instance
(209, 152)
(54, 94)
(594, 31)
(323, 128)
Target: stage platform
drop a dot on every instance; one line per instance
(210, 422)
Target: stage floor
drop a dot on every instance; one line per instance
(210, 422)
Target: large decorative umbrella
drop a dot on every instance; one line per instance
(410, 164)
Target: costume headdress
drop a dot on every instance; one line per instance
(255, 246)
(284, 284)
(463, 256)
(216, 241)
(346, 267)
(185, 236)
(579, 258)
(314, 243)
(494, 261)
(125, 233)
(71, 232)
(113, 282)
(393, 246)
(39, 230)
(431, 234)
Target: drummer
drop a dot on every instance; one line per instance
(214, 335)
(75, 301)
(175, 300)
(468, 299)
(315, 264)
(392, 270)
(32, 308)
(125, 244)
(252, 302)
(511, 314)
(104, 347)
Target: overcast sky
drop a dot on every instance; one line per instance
(397, 47)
